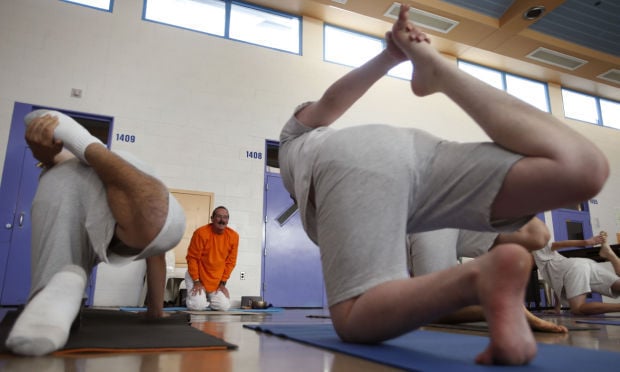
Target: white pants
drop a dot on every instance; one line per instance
(216, 300)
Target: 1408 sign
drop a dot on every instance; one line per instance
(254, 155)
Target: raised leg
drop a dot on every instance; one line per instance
(559, 166)
(138, 201)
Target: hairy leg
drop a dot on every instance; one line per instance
(138, 201)
(559, 166)
(496, 281)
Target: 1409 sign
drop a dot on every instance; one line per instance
(130, 138)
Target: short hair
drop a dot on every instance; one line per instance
(220, 207)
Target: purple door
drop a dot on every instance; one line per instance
(18, 256)
(292, 275)
(571, 224)
(19, 181)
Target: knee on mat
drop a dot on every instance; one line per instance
(196, 302)
(219, 301)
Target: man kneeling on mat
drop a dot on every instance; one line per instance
(92, 205)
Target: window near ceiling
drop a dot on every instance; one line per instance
(610, 113)
(490, 76)
(527, 90)
(531, 91)
(267, 28)
(98, 4)
(580, 106)
(353, 49)
(348, 47)
(229, 19)
(207, 16)
(591, 109)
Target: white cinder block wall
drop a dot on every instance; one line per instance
(196, 103)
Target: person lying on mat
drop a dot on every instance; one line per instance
(211, 258)
(362, 189)
(433, 251)
(92, 205)
(572, 278)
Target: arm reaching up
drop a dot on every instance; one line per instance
(342, 94)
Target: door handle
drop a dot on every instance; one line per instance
(21, 219)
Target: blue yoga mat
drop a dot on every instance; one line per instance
(142, 309)
(440, 351)
(599, 321)
(267, 310)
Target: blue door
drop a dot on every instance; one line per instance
(292, 274)
(569, 224)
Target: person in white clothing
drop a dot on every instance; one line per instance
(92, 205)
(573, 278)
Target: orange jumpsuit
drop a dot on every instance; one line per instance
(212, 257)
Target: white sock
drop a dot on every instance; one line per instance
(43, 327)
(74, 137)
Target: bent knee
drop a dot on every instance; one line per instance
(170, 234)
(589, 175)
(348, 329)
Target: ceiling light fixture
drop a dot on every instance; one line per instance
(533, 12)
(612, 75)
(556, 58)
(425, 19)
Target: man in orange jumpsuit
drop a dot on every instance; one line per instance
(211, 257)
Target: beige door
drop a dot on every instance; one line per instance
(198, 206)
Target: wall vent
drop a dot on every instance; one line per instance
(424, 19)
(556, 58)
(612, 75)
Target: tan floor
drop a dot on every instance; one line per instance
(262, 352)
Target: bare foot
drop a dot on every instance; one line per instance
(606, 252)
(501, 289)
(416, 45)
(542, 325)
